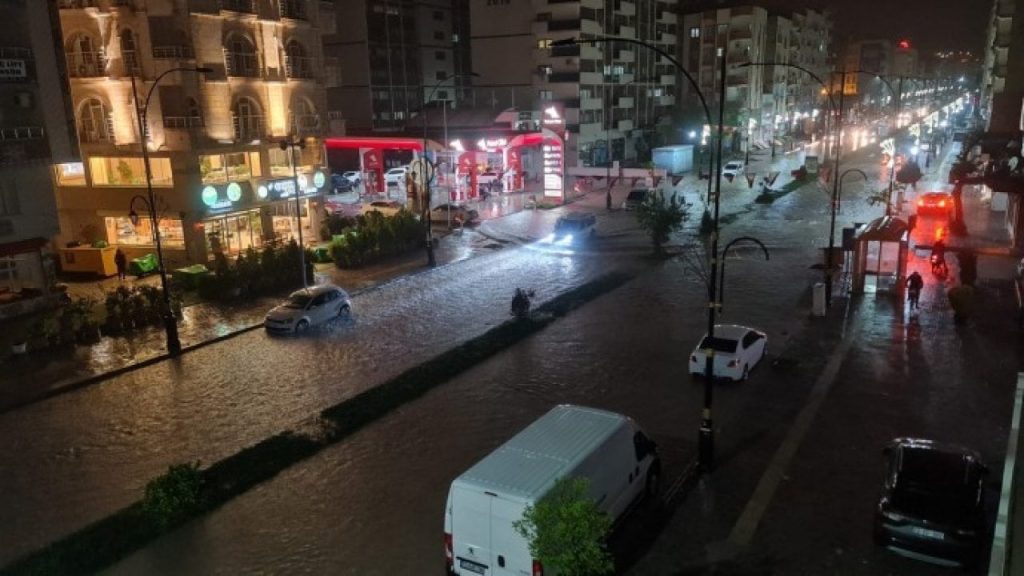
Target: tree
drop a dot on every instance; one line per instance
(660, 216)
(566, 531)
(910, 173)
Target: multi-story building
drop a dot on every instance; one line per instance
(36, 129)
(743, 32)
(388, 56)
(614, 97)
(874, 57)
(814, 52)
(1003, 85)
(221, 181)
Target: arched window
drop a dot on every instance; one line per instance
(240, 57)
(129, 53)
(248, 120)
(304, 118)
(84, 59)
(94, 122)
(299, 65)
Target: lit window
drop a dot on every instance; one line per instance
(70, 174)
(129, 171)
(544, 43)
(221, 168)
(695, 32)
(120, 230)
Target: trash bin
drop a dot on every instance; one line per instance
(142, 265)
(188, 277)
(818, 299)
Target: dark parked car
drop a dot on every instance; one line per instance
(635, 198)
(932, 501)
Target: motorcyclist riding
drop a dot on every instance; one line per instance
(914, 285)
(938, 258)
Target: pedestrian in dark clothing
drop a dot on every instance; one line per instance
(914, 285)
(121, 261)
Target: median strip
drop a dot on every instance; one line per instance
(132, 528)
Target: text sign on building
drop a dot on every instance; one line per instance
(553, 164)
(12, 69)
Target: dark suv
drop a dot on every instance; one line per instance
(932, 500)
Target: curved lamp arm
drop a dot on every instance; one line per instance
(725, 252)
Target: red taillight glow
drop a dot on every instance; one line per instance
(449, 558)
(920, 202)
(538, 568)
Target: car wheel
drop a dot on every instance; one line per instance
(746, 373)
(302, 326)
(344, 311)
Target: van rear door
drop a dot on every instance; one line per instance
(484, 540)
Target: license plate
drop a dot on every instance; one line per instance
(472, 566)
(926, 533)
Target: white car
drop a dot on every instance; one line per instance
(353, 177)
(733, 168)
(737, 350)
(385, 207)
(396, 176)
(308, 307)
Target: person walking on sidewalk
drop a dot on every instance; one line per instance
(914, 285)
(121, 261)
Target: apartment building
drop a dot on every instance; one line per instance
(614, 97)
(742, 31)
(36, 129)
(389, 56)
(1002, 86)
(221, 181)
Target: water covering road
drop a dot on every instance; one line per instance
(77, 457)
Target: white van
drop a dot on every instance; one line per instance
(606, 448)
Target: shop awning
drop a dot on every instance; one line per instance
(884, 229)
(22, 246)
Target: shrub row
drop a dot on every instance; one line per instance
(180, 495)
(376, 237)
(255, 273)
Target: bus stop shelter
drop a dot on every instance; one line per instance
(880, 256)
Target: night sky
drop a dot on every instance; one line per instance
(930, 25)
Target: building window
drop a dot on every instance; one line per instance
(544, 95)
(221, 168)
(439, 35)
(248, 120)
(120, 230)
(441, 75)
(240, 57)
(94, 123)
(280, 163)
(440, 55)
(438, 15)
(129, 171)
(129, 53)
(442, 94)
(84, 59)
(70, 174)
(298, 64)
(304, 118)
(695, 32)
(544, 43)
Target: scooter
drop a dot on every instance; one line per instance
(939, 268)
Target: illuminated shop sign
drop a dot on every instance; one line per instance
(553, 163)
(213, 199)
(285, 188)
(491, 144)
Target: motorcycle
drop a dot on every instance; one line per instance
(939, 268)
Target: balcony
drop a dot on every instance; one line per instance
(666, 100)
(100, 133)
(625, 56)
(588, 26)
(563, 77)
(627, 8)
(130, 62)
(592, 4)
(666, 38)
(624, 102)
(589, 52)
(243, 64)
(591, 103)
(627, 32)
(565, 51)
(173, 53)
(306, 124)
(76, 4)
(624, 125)
(300, 67)
(293, 9)
(667, 17)
(591, 78)
(243, 6)
(21, 133)
(591, 131)
(183, 122)
(248, 128)
(86, 64)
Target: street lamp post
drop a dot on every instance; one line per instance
(838, 148)
(725, 252)
(425, 178)
(170, 322)
(706, 430)
(897, 96)
(293, 145)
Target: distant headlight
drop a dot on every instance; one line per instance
(567, 239)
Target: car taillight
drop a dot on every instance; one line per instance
(538, 568)
(920, 202)
(942, 203)
(449, 558)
